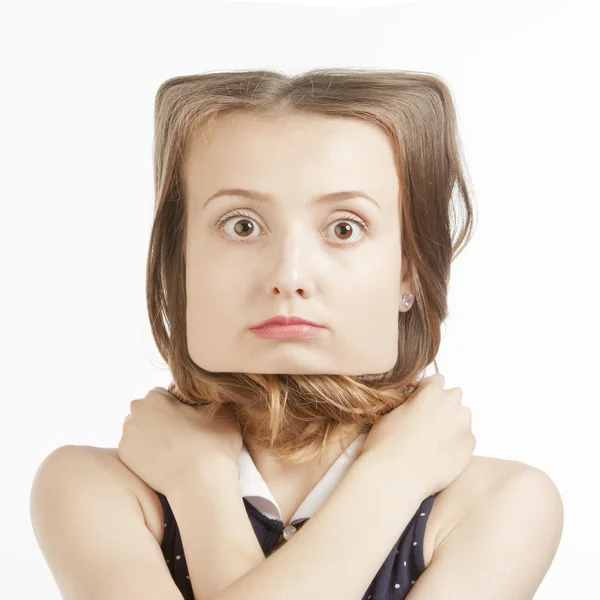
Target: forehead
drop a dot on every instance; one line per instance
(314, 153)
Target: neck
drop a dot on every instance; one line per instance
(271, 468)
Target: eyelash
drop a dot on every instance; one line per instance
(238, 213)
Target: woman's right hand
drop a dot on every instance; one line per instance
(430, 435)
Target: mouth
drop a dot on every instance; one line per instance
(287, 327)
(282, 320)
(295, 331)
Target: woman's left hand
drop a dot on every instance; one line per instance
(165, 442)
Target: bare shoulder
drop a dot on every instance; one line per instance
(146, 496)
(88, 521)
(107, 459)
(481, 478)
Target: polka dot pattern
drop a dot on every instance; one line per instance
(400, 571)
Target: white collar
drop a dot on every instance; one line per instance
(254, 488)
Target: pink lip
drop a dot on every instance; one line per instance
(281, 327)
(283, 320)
(279, 332)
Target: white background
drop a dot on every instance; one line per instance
(77, 93)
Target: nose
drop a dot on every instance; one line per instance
(294, 267)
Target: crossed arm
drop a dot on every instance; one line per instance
(502, 550)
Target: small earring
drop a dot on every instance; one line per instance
(407, 300)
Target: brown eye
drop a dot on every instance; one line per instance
(345, 229)
(243, 226)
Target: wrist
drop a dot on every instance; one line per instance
(402, 476)
(214, 473)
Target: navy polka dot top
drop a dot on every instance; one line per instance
(399, 572)
(401, 569)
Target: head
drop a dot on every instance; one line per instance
(325, 196)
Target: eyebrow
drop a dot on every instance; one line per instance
(265, 197)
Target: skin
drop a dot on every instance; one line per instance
(489, 517)
(293, 257)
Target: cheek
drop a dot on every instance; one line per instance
(216, 292)
(205, 278)
(374, 292)
(380, 275)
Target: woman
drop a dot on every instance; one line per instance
(326, 198)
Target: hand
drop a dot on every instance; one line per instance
(165, 442)
(430, 432)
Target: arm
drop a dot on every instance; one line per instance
(508, 543)
(91, 530)
(342, 546)
(218, 539)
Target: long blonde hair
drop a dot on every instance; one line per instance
(296, 416)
